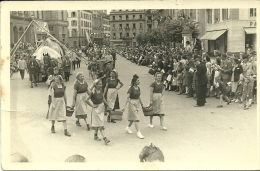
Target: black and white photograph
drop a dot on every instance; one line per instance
(159, 85)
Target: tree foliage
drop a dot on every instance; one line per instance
(168, 31)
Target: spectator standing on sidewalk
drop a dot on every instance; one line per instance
(22, 66)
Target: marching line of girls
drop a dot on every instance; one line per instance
(94, 96)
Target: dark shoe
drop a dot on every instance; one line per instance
(245, 108)
(228, 102)
(96, 137)
(78, 124)
(108, 119)
(113, 121)
(88, 127)
(106, 140)
(179, 93)
(66, 133)
(52, 129)
(31, 86)
(219, 106)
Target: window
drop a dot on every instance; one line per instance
(149, 17)
(114, 35)
(73, 14)
(62, 18)
(141, 17)
(149, 26)
(90, 25)
(81, 15)
(134, 35)
(141, 25)
(82, 32)
(74, 32)
(224, 14)
(126, 17)
(120, 35)
(193, 14)
(75, 43)
(127, 35)
(133, 17)
(133, 25)
(63, 38)
(216, 15)
(81, 23)
(114, 17)
(209, 15)
(120, 17)
(63, 28)
(127, 26)
(42, 15)
(37, 14)
(51, 28)
(74, 23)
(114, 25)
(120, 26)
(252, 12)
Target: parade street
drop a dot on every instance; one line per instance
(205, 136)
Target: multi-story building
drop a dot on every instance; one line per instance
(58, 24)
(99, 26)
(19, 21)
(56, 20)
(125, 25)
(230, 30)
(80, 22)
(106, 27)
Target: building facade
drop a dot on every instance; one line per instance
(230, 30)
(79, 22)
(20, 20)
(125, 25)
(97, 35)
(106, 27)
(58, 24)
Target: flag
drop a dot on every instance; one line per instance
(44, 27)
(87, 36)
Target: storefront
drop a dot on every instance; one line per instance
(230, 36)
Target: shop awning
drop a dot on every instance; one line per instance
(250, 30)
(205, 36)
(213, 35)
(216, 34)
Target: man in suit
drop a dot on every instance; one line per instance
(202, 82)
(189, 75)
(67, 67)
(226, 69)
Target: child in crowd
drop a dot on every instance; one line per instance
(239, 90)
(222, 92)
(168, 85)
(179, 81)
(246, 92)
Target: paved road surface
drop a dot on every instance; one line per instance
(206, 136)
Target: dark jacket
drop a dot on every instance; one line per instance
(189, 64)
(238, 70)
(202, 74)
(66, 65)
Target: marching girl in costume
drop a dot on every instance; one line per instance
(133, 101)
(98, 109)
(80, 94)
(58, 105)
(156, 100)
(112, 92)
